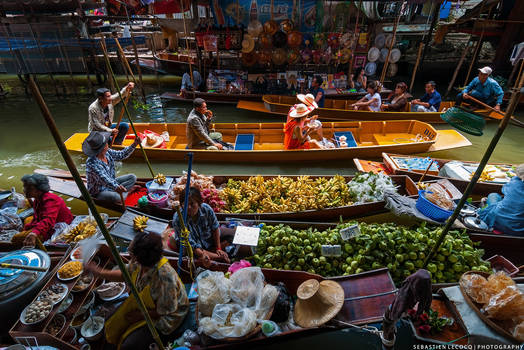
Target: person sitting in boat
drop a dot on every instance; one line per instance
(102, 182)
(317, 91)
(231, 87)
(206, 237)
(506, 214)
(188, 85)
(484, 89)
(397, 100)
(312, 123)
(358, 80)
(101, 113)
(197, 128)
(296, 130)
(430, 102)
(49, 209)
(161, 290)
(371, 101)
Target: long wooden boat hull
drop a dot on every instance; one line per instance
(210, 97)
(371, 139)
(65, 185)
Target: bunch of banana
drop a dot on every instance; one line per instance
(160, 179)
(83, 230)
(140, 223)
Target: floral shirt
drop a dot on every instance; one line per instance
(102, 176)
(168, 293)
(201, 228)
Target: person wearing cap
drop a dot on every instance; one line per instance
(101, 113)
(296, 132)
(197, 128)
(49, 209)
(102, 182)
(317, 91)
(484, 89)
(187, 85)
(431, 100)
(506, 214)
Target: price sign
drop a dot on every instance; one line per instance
(245, 235)
(331, 250)
(349, 232)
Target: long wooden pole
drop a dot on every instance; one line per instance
(120, 116)
(515, 97)
(124, 60)
(415, 68)
(474, 58)
(187, 45)
(138, 68)
(106, 56)
(91, 204)
(391, 43)
(457, 69)
(354, 45)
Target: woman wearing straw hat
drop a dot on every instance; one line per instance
(313, 123)
(507, 214)
(296, 132)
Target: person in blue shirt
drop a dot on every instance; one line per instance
(317, 91)
(430, 102)
(484, 89)
(506, 214)
(187, 85)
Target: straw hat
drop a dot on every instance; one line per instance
(373, 54)
(318, 303)
(265, 40)
(279, 39)
(152, 141)
(308, 100)
(286, 25)
(394, 56)
(392, 70)
(270, 27)
(380, 40)
(383, 54)
(370, 68)
(279, 57)
(519, 171)
(293, 56)
(249, 59)
(248, 43)
(300, 110)
(95, 142)
(264, 57)
(294, 39)
(254, 28)
(389, 39)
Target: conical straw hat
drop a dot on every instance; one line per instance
(318, 303)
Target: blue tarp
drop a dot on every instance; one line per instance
(8, 44)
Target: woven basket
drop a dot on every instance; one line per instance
(464, 120)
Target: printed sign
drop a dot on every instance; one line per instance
(245, 235)
(331, 250)
(349, 232)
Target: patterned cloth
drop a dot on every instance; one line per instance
(488, 92)
(102, 176)
(49, 210)
(100, 120)
(197, 130)
(201, 228)
(168, 293)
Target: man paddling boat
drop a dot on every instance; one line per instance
(484, 89)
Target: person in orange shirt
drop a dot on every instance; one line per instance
(296, 132)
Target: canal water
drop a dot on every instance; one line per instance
(26, 144)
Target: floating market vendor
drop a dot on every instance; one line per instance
(430, 101)
(101, 113)
(358, 81)
(317, 91)
(506, 214)
(160, 288)
(484, 89)
(102, 182)
(296, 131)
(187, 85)
(49, 209)
(205, 235)
(197, 128)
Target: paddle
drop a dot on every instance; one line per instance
(425, 172)
(120, 117)
(513, 119)
(23, 267)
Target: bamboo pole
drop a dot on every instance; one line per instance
(415, 68)
(120, 117)
(354, 45)
(474, 58)
(187, 45)
(139, 70)
(515, 96)
(108, 66)
(101, 225)
(102, 43)
(391, 43)
(124, 61)
(457, 69)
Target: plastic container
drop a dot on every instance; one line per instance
(149, 183)
(499, 262)
(158, 199)
(270, 328)
(431, 210)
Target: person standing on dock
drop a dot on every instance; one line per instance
(484, 89)
(431, 100)
(102, 111)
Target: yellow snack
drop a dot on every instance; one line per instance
(70, 269)
(477, 287)
(140, 223)
(160, 179)
(507, 304)
(499, 281)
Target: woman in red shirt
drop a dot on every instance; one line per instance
(296, 133)
(49, 209)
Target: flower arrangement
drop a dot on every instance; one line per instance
(430, 322)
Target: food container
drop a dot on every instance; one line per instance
(65, 304)
(110, 291)
(90, 300)
(70, 335)
(54, 293)
(93, 327)
(431, 210)
(158, 199)
(70, 270)
(79, 320)
(41, 307)
(83, 282)
(56, 325)
(499, 263)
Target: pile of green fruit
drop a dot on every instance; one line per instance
(401, 249)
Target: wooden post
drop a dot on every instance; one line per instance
(124, 61)
(457, 69)
(474, 58)
(155, 63)
(187, 45)
(354, 45)
(91, 204)
(414, 73)
(68, 61)
(139, 70)
(392, 42)
(108, 65)
(434, 19)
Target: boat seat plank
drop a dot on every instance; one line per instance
(349, 138)
(393, 139)
(244, 142)
(268, 146)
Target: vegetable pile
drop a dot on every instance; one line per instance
(399, 248)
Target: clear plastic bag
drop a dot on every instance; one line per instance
(9, 219)
(246, 287)
(267, 301)
(213, 289)
(518, 332)
(506, 305)
(477, 287)
(228, 320)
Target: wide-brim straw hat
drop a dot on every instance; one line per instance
(389, 39)
(394, 56)
(287, 25)
(279, 57)
(293, 56)
(152, 141)
(254, 28)
(95, 142)
(373, 54)
(392, 70)
(308, 100)
(270, 27)
(370, 68)
(294, 39)
(383, 54)
(279, 39)
(265, 40)
(264, 56)
(248, 43)
(380, 40)
(318, 302)
(519, 171)
(300, 110)
(249, 59)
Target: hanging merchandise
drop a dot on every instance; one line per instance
(383, 54)
(380, 40)
(389, 39)
(392, 70)
(306, 55)
(307, 40)
(345, 56)
(210, 42)
(293, 56)
(294, 39)
(255, 28)
(279, 39)
(279, 57)
(270, 27)
(333, 41)
(265, 40)
(373, 54)
(345, 40)
(248, 43)
(370, 68)
(264, 57)
(394, 56)
(169, 6)
(286, 26)
(249, 59)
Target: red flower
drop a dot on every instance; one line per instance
(425, 328)
(424, 318)
(412, 312)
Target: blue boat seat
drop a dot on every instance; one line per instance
(350, 140)
(244, 142)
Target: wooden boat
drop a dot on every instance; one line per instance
(263, 142)
(338, 94)
(210, 97)
(65, 185)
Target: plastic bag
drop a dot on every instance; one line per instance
(267, 300)
(507, 304)
(228, 320)
(246, 286)
(9, 219)
(238, 265)
(499, 281)
(213, 289)
(438, 196)
(477, 287)
(518, 332)
(282, 304)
